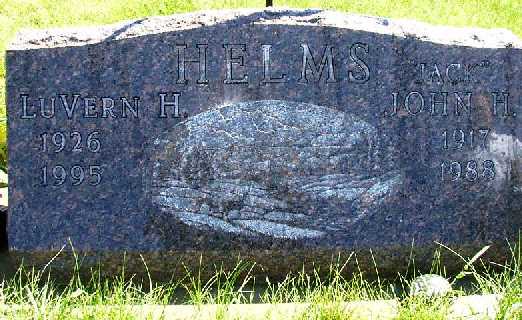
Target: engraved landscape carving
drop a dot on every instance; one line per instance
(270, 168)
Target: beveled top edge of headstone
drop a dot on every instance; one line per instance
(79, 36)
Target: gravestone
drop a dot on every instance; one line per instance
(280, 135)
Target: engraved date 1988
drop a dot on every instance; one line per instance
(457, 140)
(470, 171)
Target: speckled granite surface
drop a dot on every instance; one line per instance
(267, 133)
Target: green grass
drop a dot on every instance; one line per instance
(17, 14)
(33, 295)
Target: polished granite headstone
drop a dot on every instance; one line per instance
(274, 134)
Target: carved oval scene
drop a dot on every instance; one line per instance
(270, 168)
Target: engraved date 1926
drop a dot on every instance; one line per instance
(60, 140)
(59, 174)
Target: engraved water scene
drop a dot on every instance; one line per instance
(272, 168)
(284, 170)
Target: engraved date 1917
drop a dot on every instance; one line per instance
(458, 139)
(455, 141)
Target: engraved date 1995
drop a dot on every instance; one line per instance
(58, 175)
(74, 142)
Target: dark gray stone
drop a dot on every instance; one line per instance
(315, 160)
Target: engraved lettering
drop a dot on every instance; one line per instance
(171, 104)
(201, 61)
(395, 106)
(90, 108)
(42, 108)
(309, 64)
(75, 135)
(443, 102)
(107, 107)
(60, 141)
(461, 138)
(69, 109)
(501, 99)
(435, 75)
(75, 176)
(469, 171)
(451, 67)
(363, 76)
(419, 99)
(267, 74)
(25, 115)
(234, 59)
(460, 103)
(127, 106)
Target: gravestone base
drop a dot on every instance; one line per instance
(274, 264)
